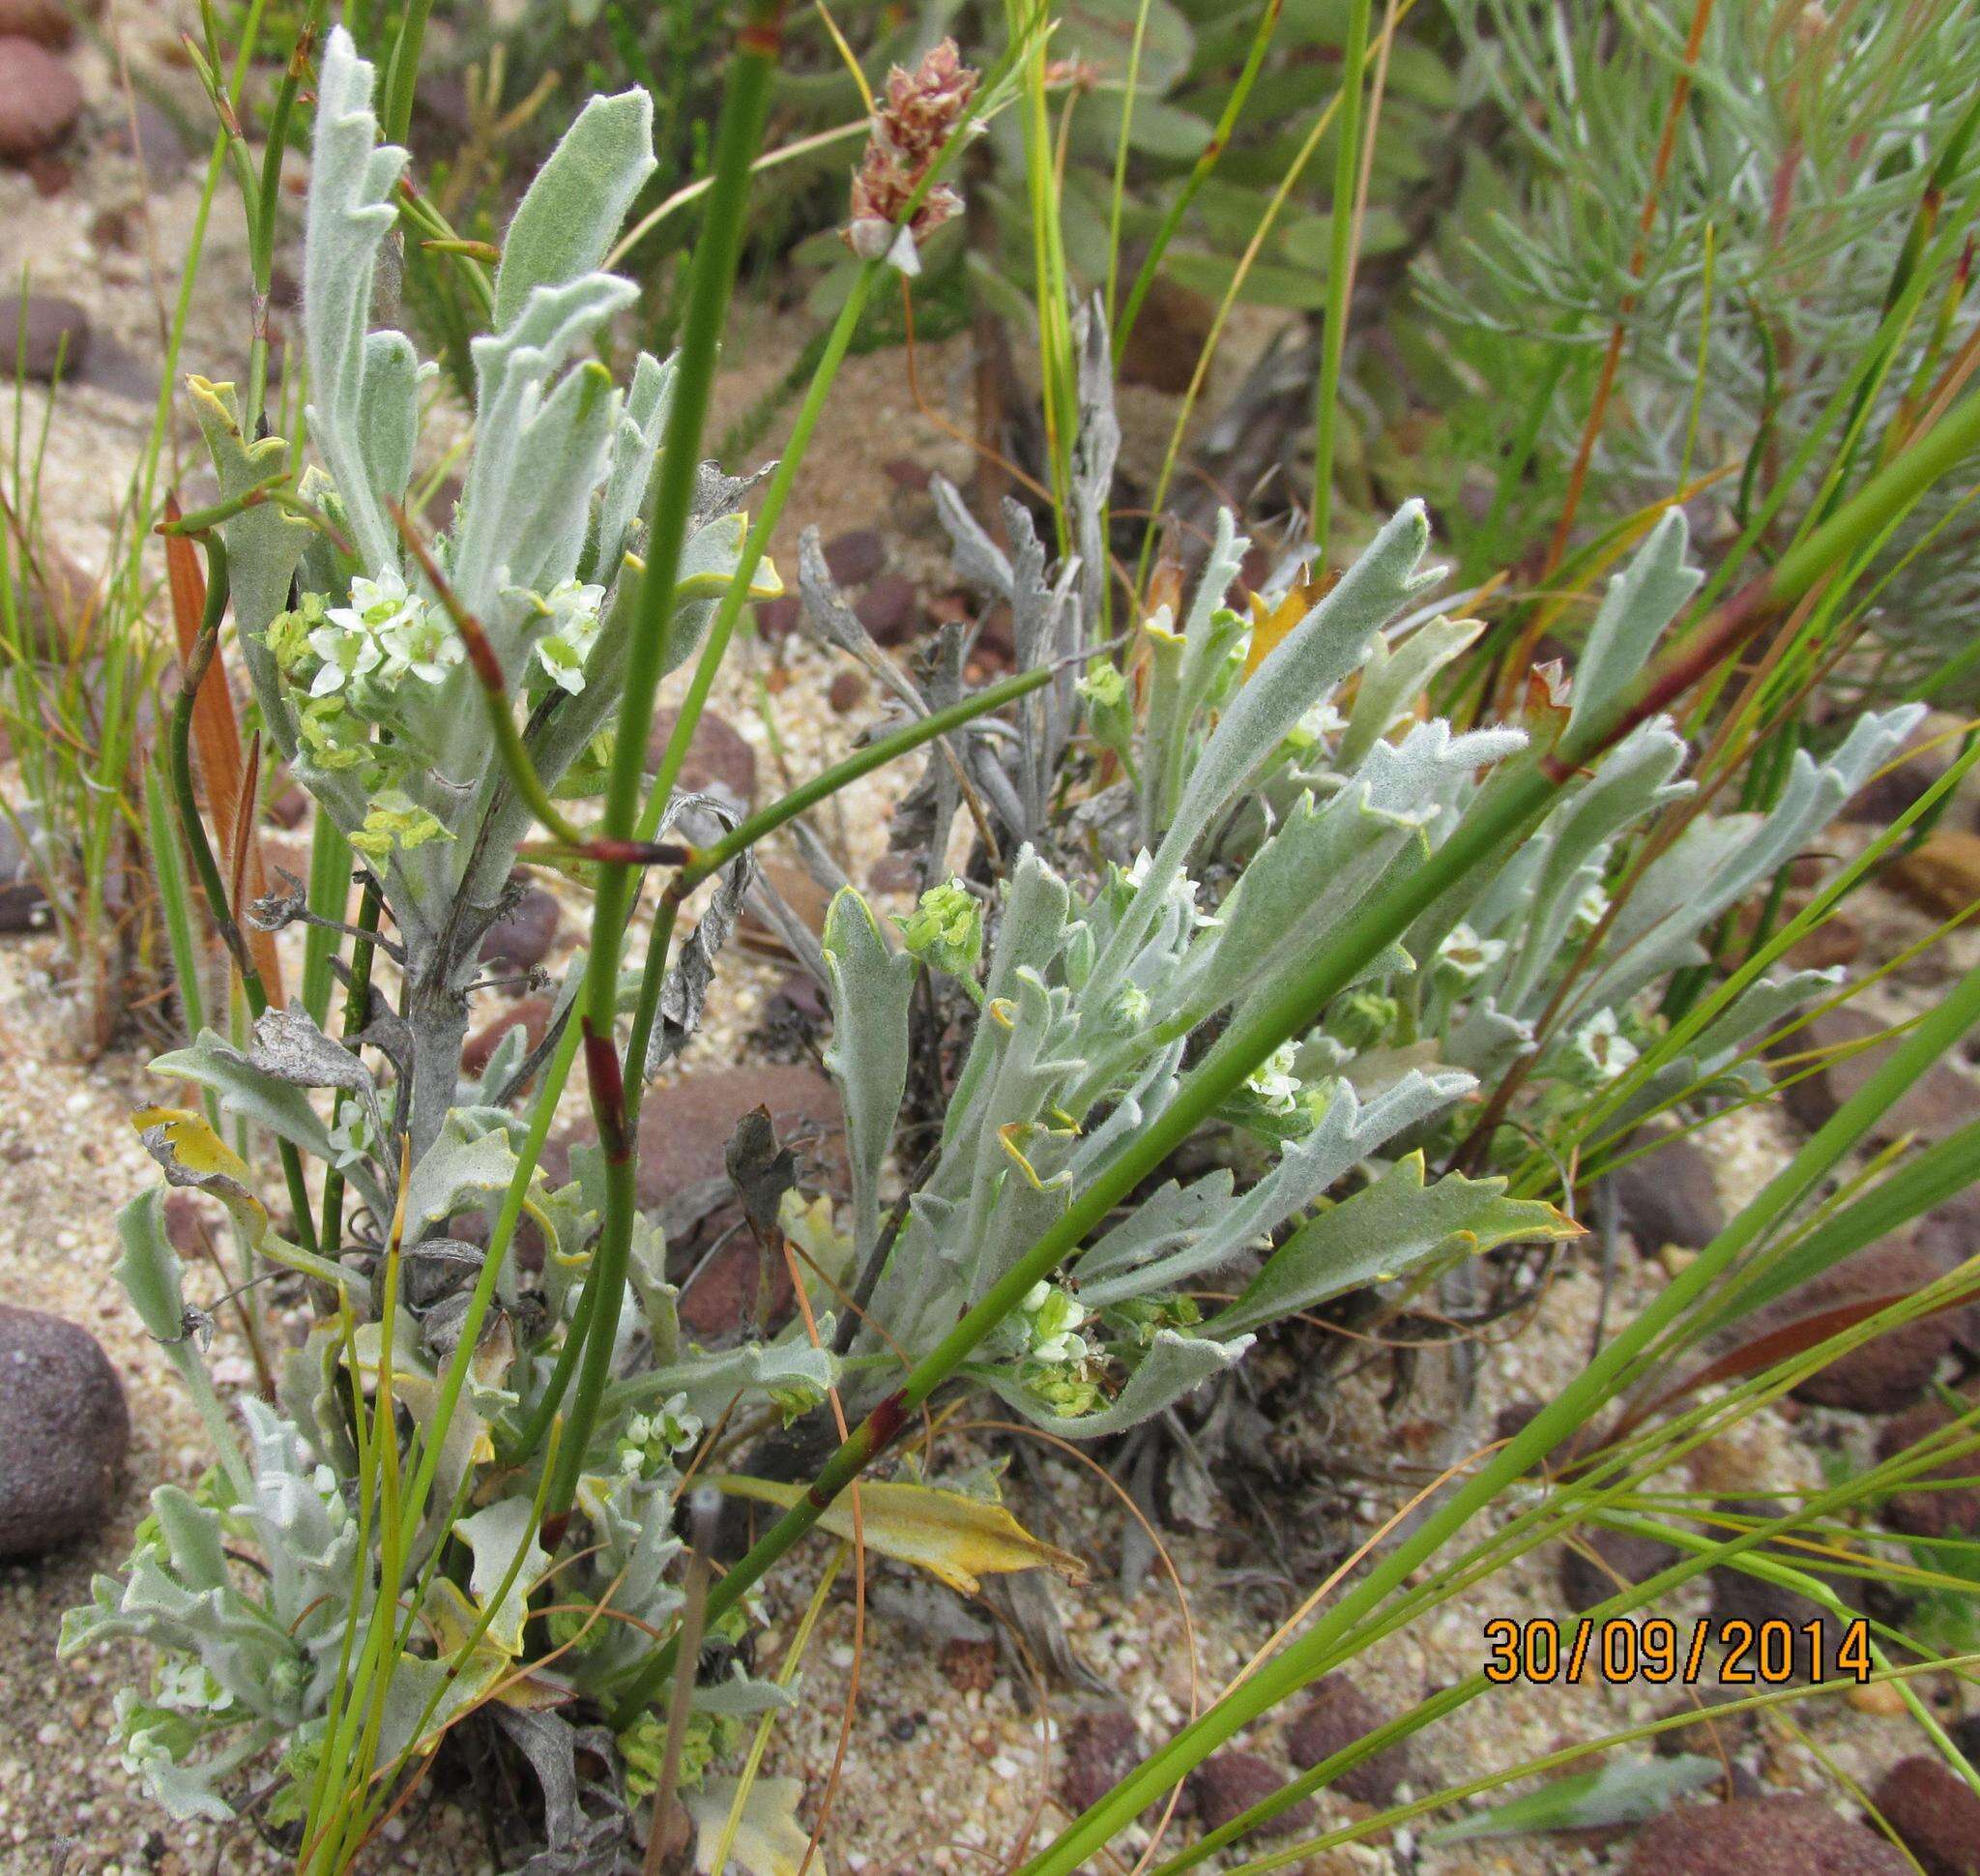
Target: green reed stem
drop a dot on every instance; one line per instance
(178, 749)
(1340, 269)
(330, 891)
(745, 101)
(1192, 185)
(616, 1235)
(357, 1013)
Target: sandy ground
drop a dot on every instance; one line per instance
(936, 1776)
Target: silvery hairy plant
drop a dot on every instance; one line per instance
(1254, 778)
(365, 687)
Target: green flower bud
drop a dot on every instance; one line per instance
(945, 930)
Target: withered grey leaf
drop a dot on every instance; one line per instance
(978, 557)
(1031, 1613)
(1095, 450)
(550, 1745)
(577, 1842)
(289, 1046)
(436, 1266)
(826, 610)
(683, 992)
(930, 1608)
(761, 1171)
(716, 495)
(388, 1033)
(281, 907)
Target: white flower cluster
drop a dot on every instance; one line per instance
(650, 1440)
(1273, 1082)
(1055, 1316)
(572, 611)
(386, 634)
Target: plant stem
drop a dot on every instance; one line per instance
(187, 801)
(745, 101)
(1200, 174)
(1340, 270)
(357, 1013)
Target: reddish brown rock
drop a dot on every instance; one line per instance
(1228, 1784)
(1936, 1814)
(1740, 1596)
(1096, 1750)
(158, 141)
(892, 872)
(1949, 1236)
(685, 1128)
(778, 618)
(719, 762)
(737, 1289)
(1837, 940)
(904, 473)
(1937, 1102)
(188, 1222)
(848, 691)
(1926, 1507)
(41, 335)
(1620, 1557)
(1667, 1196)
(853, 557)
(530, 1014)
(1337, 1716)
(48, 22)
(798, 890)
(40, 98)
(64, 1431)
(1941, 876)
(1761, 1836)
(891, 609)
(1883, 1376)
(521, 939)
(1712, 1734)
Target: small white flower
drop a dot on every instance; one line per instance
(572, 612)
(1062, 1351)
(1592, 907)
(1273, 1081)
(346, 656)
(421, 644)
(1602, 1044)
(1468, 954)
(1322, 721)
(385, 631)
